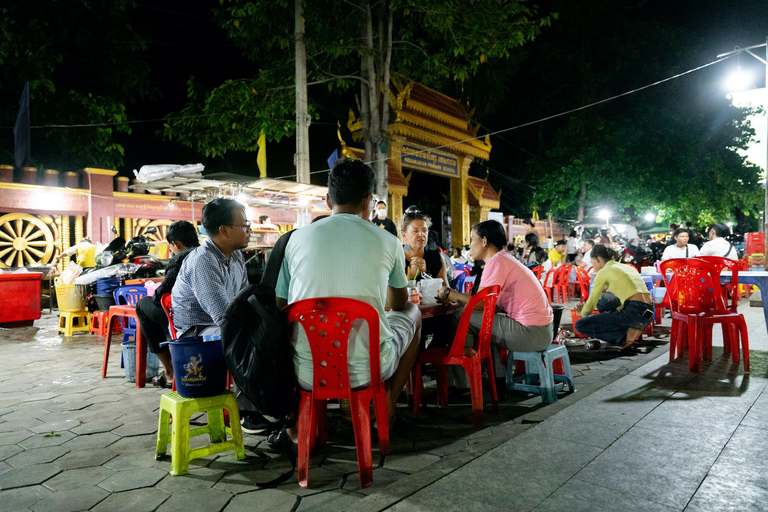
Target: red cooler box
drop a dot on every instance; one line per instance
(20, 297)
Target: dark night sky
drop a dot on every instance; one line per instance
(185, 41)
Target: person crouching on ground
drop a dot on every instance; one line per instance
(625, 311)
(182, 238)
(523, 321)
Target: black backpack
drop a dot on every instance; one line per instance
(254, 335)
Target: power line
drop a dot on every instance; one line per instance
(554, 116)
(494, 133)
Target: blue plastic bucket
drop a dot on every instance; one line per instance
(198, 366)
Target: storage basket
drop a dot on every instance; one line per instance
(70, 297)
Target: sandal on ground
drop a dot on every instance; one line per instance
(279, 440)
(161, 382)
(397, 429)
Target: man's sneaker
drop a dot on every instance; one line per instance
(254, 423)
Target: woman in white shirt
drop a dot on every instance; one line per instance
(680, 249)
(718, 245)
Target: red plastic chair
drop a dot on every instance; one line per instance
(559, 284)
(327, 322)
(697, 301)
(165, 301)
(441, 357)
(128, 312)
(583, 280)
(731, 288)
(537, 271)
(730, 335)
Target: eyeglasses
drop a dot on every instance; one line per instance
(412, 213)
(245, 226)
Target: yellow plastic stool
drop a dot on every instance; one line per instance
(182, 409)
(74, 321)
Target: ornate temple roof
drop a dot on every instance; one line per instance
(430, 117)
(481, 193)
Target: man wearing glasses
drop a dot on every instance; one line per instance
(213, 273)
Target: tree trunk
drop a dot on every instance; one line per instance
(582, 196)
(372, 131)
(302, 111)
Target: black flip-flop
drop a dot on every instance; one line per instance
(160, 382)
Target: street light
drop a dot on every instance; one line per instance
(740, 78)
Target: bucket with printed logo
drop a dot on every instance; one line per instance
(198, 366)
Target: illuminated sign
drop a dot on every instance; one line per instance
(429, 161)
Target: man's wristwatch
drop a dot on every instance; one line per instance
(446, 293)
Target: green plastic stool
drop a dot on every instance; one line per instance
(182, 409)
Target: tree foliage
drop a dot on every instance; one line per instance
(81, 59)
(670, 149)
(349, 43)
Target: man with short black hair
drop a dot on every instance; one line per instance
(214, 273)
(370, 269)
(182, 238)
(718, 245)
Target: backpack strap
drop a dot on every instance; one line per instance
(729, 251)
(686, 251)
(269, 278)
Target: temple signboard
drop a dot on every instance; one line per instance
(422, 159)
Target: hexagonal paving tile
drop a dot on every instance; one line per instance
(133, 479)
(14, 437)
(9, 450)
(85, 458)
(75, 478)
(36, 456)
(246, 481)
(55, 426)
(27, 475)
(46, 439)
(138, 500)
(96, 426)
(22, 498)
(10, 426)
(197, 478)
(123, 462)
(72, 500)
(202, 501)
(101, 440)
(136, 444)
(267, 499)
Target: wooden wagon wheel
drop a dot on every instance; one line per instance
(161, 226)
(25, 240)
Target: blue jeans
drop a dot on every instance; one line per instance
(611, 325)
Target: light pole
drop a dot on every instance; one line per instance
(765, 63)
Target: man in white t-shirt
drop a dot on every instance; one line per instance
(681, 248)
(718, 245)
(631, 233)
(344, 255)
(586, 258)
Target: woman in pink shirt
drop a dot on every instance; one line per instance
(523, 321)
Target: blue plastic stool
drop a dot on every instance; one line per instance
(539, 377)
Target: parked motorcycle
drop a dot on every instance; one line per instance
(638, 255)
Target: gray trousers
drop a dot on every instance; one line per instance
(508, 334)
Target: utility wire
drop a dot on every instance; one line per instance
(494, 133)
(554, 116)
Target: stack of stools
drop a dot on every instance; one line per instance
(173, 405)
(539, 374)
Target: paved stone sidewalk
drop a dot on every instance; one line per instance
(658, 439)
(70, 440)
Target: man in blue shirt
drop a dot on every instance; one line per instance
(212, 274)
(345, 255)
